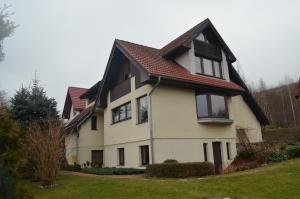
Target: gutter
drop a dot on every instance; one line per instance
(151, 120)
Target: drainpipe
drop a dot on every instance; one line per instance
(151, 120)
(77, 144)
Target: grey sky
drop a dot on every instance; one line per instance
(68, 41)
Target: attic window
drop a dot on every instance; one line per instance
(209, 67)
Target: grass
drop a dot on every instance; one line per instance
(278, 181)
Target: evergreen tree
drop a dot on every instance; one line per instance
(31, 104)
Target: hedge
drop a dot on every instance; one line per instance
(180, 170)
(112, 171)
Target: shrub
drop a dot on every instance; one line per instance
(180, 170)
(76, 167)
(44, 148)
(293, 151)
(170, 161)
(276, 156)
(246, 154)
(96, 164)
(113, 171)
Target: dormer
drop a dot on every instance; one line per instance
(201, 51)
(90, 95)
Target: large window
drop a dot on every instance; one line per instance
(94, 123)
(209, 67)
(121, 113)
(121, 156)
(142, 109)
(144, 155)
(211, 106)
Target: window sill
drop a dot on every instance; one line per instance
(222, 78)
(215, 121)
(142, 122)
(121, 121)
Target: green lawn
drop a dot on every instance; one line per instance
(280, 181)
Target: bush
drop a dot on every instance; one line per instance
(170, 161)
(76, 167)
(180, 170)
(293, 151)
(246, 154)
(113, 171)
(276, 156)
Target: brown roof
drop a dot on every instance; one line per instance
(297, 92)
(78, 119)
(182, 38)
(151, 59)
(73, 98)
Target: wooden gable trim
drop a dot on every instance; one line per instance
(101, 99)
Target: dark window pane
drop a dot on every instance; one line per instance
(144, 155)
(205, 151)
(122, 112)
(218, 108)
(217, 69)
(94, 123)
(228, 150)
(115, 115)
(207, 66)
(121, 156)
(128, 109)
(97, 156)
(142, 109)
(202, 109)
(198, 65)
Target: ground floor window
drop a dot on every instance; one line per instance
(228, 150)
(144, 150)
(205, 151)
(121, 156)
(97, 156)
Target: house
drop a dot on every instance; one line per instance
(297, 92)
(184, 101)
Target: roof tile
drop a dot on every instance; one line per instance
(75, 93)
(155, 64)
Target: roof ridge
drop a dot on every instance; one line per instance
(189, 31)
(120, 40)
(76, 87)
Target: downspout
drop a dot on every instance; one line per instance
(151, 119)
(77, 144)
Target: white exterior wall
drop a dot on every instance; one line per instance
(128, 133)
(87, 141)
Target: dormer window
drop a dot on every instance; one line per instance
(209, 67)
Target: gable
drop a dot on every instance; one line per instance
(183, 42)
(119, 70)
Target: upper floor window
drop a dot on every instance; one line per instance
(209, 67)
(142, 109)
(211, 106)
(94, 123)
(121, 113)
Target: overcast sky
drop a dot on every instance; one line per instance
(68, 42)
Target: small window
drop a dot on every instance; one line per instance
(205, 151)
(97, 156)
(94, 123)
(211, 106)
(144, 155)
(121, 113)
(121, 156)
(142, 109)
(228, 150)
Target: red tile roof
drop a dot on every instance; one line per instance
(155, 64)
(75, 93)
(297, 93)
(81, 117)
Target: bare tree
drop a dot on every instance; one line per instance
(44, 146)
